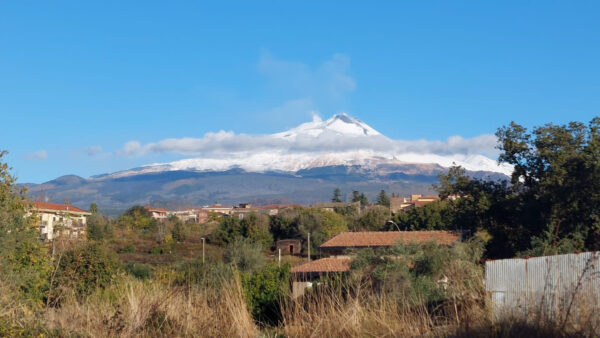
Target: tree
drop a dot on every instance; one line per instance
(24, 261)
(98, 227)
(246, 254)
(374, 218)
(358, 196)
(383, 199)
(256, 228)
(178, 232)
(93, 208)
(551, 203)
(337, 196)
(557, 175)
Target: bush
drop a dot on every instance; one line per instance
(420, 273)
(129, 248)
(246, 254)
(25, 263)
(85, 268)
(139, 270)
(161, 249)
(179, 232)
(265, 290)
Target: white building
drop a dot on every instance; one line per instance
(60, 219)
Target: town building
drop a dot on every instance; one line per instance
(56, 220)
(219, 209)
(400, 204)
(158, 213)
(291, 246)
(245, 209)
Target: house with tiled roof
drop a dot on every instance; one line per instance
(340, 247)
(158, 213)
(381, 239)
(59, 219)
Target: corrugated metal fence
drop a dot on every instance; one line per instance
(548, 284)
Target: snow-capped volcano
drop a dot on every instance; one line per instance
(339, 140)
(340, 124)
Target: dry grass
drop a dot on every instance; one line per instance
(135, 309)
(352, 315)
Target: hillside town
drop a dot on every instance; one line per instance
(67, 220)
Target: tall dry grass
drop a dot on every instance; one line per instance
(135, 308)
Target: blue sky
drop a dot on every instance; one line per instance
(78, 80)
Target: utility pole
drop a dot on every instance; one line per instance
(309, 246)
(203, 239)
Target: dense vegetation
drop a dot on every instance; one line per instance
(551, 204)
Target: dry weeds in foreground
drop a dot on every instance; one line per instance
(137, 308)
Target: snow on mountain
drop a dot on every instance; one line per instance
(341, 124)
(340, 140)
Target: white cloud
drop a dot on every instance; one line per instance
(40, 155)
(227, 143)
(303, 88)
(93, 150)
(329, 79)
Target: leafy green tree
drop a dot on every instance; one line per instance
(283, 226)
(137, 217)
(98, 227)
(551, 203)
(557, 175)
(24, 261)
(432, 216)
(337, 196)
(321, 224)
(383, 199)
(373, 218)
(256, 227)
(94, 208)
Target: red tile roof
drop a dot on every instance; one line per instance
(278, 206)
(57, 207)
(389, 238)
(149, 208)
(330, 264)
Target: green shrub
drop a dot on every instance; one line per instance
(246, 254)
(265, 289)
(161, 249)
(85, 268)
(139, 270)
(129, 248)
(25, 262)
